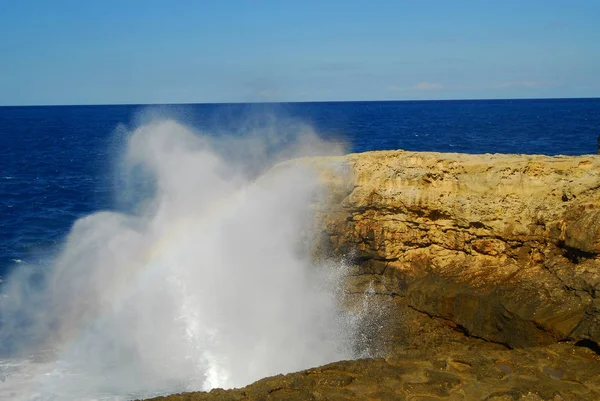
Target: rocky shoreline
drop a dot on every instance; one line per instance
(483, 269)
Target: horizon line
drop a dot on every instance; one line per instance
(296, 102)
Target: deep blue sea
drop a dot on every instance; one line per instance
(56, 163)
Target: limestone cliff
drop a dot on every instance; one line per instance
(503, 246)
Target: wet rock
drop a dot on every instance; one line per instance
(535, 374)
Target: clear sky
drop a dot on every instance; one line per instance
(128, 51)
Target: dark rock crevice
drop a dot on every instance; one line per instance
(457, 327)
(592, 345)
(575, 255)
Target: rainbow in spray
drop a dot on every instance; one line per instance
(207, 284)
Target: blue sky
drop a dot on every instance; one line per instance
(128, 51)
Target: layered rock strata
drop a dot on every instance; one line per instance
(504, 247)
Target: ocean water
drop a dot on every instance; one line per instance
(61, 164)
(56, 163)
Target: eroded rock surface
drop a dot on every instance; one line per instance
(504, 246)
(557, 372)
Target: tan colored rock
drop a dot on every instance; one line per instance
(504, 246)
(559, 372)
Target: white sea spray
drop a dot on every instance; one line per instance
(203, 284)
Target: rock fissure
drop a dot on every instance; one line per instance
(592, 345)
(575, 255)
(457, 327)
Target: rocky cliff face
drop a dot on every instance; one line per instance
(484, 271)
(504, 247)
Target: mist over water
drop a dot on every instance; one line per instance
(205, 281)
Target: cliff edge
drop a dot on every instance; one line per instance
(504, 246)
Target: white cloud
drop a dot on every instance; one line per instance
(426, 86)
(522, 84)
(421, 86)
